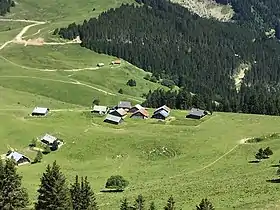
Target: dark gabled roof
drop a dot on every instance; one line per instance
(113, 118)
(142, 111)
(121, 111)
(163, 113)
(197, 112)
(124, 104)
(164, 107)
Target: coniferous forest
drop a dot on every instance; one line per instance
(201, 56)
(5, 6)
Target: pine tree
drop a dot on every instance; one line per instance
(12, 195)
(139, 202)
(53, 191)
(152, 206)
(170, 204)
(82, 195)
(38, 157)
(205, 205)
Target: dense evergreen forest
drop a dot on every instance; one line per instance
(201, 56)
(5, 6)
(261, 14)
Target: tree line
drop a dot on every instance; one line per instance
(5, 6)
(199, 55)
(54, 193)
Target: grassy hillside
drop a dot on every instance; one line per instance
(184, 158)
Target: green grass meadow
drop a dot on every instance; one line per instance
(189, 159)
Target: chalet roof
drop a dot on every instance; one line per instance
(16, 156)
(124, 104)
(49, 138)
(197, 112)
(40, 110)
(164, 107)
(113, 118)
(121, 111)
(142, 111)
(100, 108)
(138, 106)
(162, 112)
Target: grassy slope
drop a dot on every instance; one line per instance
(92, 148)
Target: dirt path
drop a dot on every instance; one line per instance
(38, 41)
(39, 69)
(75, 82)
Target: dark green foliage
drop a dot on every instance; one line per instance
(267, 151)
(96, 102)
(124, 204)
(120, 91)
(82, 195)
(198, 54)
(47, 149)
(53, 191)
(205, 205)
(278, 171)
(55, 32)
(33, 143)
(168, 83)
(131, 83)
(117, 182)
(12, 195)
(261, 154)
(38, 157)
(147, 77)
(5, 6)
(170, 204)
(139, 203)
(152, 206)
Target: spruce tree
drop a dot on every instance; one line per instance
(12, 195)
(53, 191)
(82, 195)
(170, 204)
(139, 202)
(205, 205)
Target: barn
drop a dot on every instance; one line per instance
(161, 115)
(118, 112)
(99, 109)
(113, 119)
(19, 158)
(140, 114)
(196, 113)
(135, 108)
(40, 111)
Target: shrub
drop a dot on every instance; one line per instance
(33, 143)
(47, 149)
(267, 151)
(147, 77)
(117, 182)
(120, 91)
(95, 102)
(131, 83)
(153, 79)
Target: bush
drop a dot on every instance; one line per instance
(147, 77)
(267, 151)
(153, 79)
(120, 91)
(131, 83)
(116, 182)
(47, 149)
(33, 143)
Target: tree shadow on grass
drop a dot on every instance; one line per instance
(275, 165)
(254, 161)
(273, 180)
